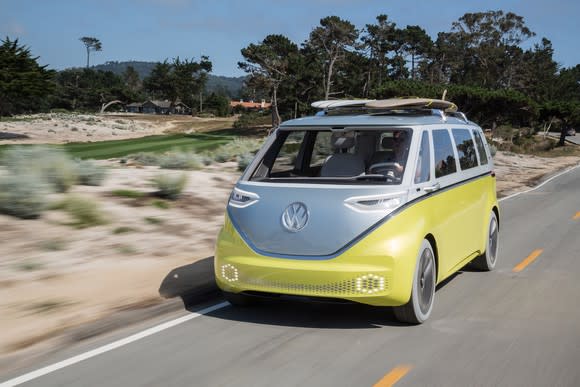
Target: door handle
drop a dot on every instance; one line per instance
(432, 188)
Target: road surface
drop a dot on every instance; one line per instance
(516, 326)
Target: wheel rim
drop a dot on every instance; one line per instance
(492, 242)
(426, 281)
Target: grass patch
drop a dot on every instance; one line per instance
(123, 230)
(127, 250)
(128, 193)
(170, 186)
(29, 265)
(153, 220)
(155, 144)
(53, 245)
(84, 212)
(161, 204)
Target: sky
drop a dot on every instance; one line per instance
(155, 30)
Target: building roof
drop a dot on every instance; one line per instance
(251, 104)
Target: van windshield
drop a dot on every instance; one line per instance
(336, 157)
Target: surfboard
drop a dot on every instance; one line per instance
(412, 103)
(340, 103)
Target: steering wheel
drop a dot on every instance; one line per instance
(389, 169)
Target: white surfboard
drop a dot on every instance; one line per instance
(412, 103)
(340, 103)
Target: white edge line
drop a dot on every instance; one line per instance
(109, 347)
(540, 185)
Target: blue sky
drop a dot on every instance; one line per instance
(155, 30)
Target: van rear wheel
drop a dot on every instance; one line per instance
(488, 260)
(419, 307)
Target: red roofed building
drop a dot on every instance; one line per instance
(251, 105)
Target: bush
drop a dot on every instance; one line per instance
(170, 186)
(144, 158)
(90, 173)
(239, 146)
(244, 160)
(84, 211)
(23, 196)
(252, 120)
(181, 160)
(50, 164)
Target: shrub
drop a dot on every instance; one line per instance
(51, 164)
(23, 196)
(84, 211)
(145, 158)
(244, 160)
(90, 173)
(170, 186)
(181, 160)
(252, 119)
(239, 146)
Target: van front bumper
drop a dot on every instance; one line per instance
(374, 271)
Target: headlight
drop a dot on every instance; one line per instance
(384, 203)
(240, 198)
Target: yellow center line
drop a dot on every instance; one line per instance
(522, 265)
(394, 376)
(577, 216)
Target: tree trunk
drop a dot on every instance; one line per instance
(562, 140)
(328, 78)
(88, 54)
(275, 114)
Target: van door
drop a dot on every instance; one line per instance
(450, 204)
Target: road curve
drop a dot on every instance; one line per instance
(516, 326)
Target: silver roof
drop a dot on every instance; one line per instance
(357, 120)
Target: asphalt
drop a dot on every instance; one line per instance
(571, 139)
(502, 328)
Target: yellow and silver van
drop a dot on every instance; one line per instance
(374, 202)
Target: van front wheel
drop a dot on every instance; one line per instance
(419, 307)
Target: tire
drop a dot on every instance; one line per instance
(488, 260)
(238, 299)
(419, 307)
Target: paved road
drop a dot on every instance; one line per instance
(573, 139)
(503, 328)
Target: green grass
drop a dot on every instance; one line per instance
(157, 144)
(128, 193)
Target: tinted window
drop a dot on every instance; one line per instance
(423, 172)
(465, 148)
(444, 156)
(480, 148)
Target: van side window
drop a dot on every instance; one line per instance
(480, 148)
(444, 156)
(322, 149)
(465, 148)
(423, 172)
(286, 159)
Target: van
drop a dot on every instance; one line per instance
(373, 202)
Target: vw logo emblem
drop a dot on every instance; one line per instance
(295, 217)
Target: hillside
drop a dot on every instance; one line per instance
(215, 83)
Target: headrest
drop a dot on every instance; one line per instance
(343, 142)
(387, 142)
